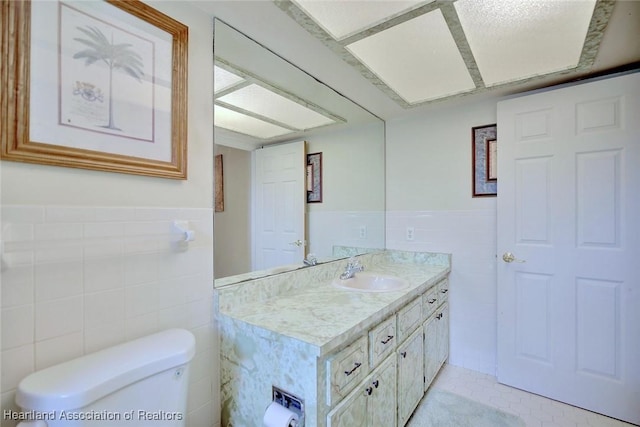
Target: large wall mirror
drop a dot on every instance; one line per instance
(262, 102)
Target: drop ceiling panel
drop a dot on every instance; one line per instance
(503, 44)
(238, 122)
(223, 79)
(269, 104)
(344, 18)
(417, 59)
(512, 40)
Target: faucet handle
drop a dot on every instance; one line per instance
(311, 259)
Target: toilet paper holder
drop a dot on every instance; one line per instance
(289, 401)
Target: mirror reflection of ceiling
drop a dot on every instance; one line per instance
(260, 98)
(251, 106)
(418, 52)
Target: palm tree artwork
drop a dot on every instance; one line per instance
(115, 56)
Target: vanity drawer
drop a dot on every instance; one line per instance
(346, 369)
(409, 318)
(382, 340)
(443, 291)
(430, 301)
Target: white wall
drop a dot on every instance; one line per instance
(352, 208)
(352, 168)
(429, 188)
(87, 268)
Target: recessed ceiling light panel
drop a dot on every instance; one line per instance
(223, 79)
(516, 39)
(238, 122)
(417, 59)
(344, 18)
(263, 102)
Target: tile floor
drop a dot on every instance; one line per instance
(535, 410)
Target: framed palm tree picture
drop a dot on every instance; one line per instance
(96, 85)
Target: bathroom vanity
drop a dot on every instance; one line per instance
(354, 358)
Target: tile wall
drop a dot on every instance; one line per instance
(361, 229)
(78, 279)
(470, 236)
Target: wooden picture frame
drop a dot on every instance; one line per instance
(314, 195)
(484, 161)
(66, 102)
(219, 183)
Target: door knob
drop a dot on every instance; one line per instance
(509, 257)
(297, 243)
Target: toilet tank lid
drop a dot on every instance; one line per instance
(79, 382)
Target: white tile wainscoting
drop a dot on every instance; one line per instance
(79, 279)
(470, 236)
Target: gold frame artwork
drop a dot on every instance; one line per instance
(219, 183)
(161, 154)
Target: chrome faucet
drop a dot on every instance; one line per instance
(353, 266)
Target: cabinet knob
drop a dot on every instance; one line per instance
(368, 390)
(376, 383)
(404, 354)
(432, 300)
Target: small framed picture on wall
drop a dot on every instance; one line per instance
(314, 178)
(484, 167)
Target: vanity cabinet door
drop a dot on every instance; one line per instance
(436, 343)
(431, 350)
(372, 403)
(351, 412)
(381, 406)
(443, 333)
(410, 375)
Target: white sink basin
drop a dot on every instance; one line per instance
(371, 282)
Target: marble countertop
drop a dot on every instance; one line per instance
(326, 317)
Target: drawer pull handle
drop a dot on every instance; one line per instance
(431, 301)
(444, 291)
(357, 365)
(376, 383)
(389, 338)
(439, 316)
(369, 390)
(404, 354)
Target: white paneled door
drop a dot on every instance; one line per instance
(279, 224)
(569, 245)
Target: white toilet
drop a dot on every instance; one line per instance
(140, 383)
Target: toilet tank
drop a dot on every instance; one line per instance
(143, 383)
